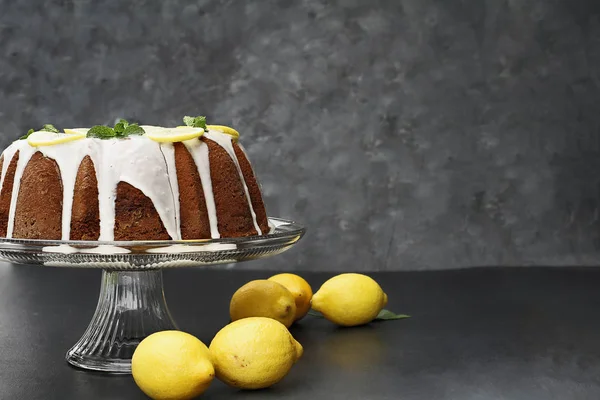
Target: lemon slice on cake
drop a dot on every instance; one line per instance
(172, 135)
(43, 138)
(75, 131)
(225, 129)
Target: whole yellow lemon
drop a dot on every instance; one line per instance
(263, 298)
(172, 365)
(350, 299)
(299, 288)
(254, 353)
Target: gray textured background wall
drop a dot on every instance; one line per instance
(411, 134)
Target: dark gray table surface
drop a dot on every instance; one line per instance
(519, 333)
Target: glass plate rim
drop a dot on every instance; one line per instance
(292, 227)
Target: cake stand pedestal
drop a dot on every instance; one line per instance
(131, 306)
(132, 303)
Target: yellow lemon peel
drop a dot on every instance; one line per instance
(76, 131)
(172, 135)
(263, 298)
(299, 288)
(172, 365)
(43, 138)
(254, 353)
(350, 299)
(225, 129)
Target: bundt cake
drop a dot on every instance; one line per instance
(130, 182)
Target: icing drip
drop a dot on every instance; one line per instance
(139, 162)
(199, 152)
(68, 156)
(224, 141)
(8, 154)
(271, 226)
(168, 151)
(25, 154)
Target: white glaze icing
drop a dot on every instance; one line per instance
(271, 226)
(145, 164)
(199, 152)
(104, 249)
(139, 162)
(182, 248)
(68, 156)
(25, 154)
(168, 151)
(225, 141)
(7, 156)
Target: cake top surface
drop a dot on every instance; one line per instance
(194, 127)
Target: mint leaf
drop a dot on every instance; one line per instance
(189, 121)
(101, 132)
(120, 127)
(133, 129)
(49, 128)
(45, 128)
(195, 122)
(387, 315)
(29, 132)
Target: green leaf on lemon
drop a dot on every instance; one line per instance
(387, 315)
(384, 315)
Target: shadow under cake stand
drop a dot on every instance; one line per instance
(132, 303)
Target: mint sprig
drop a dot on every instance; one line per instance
(133, 129)
(122, 129)
(384, 315)
(101, 132)
(195, 122)
(49, 128)
(44, 128)
(26, 136)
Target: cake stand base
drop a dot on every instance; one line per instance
(131, 307)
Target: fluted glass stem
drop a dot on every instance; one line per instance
(131, 306)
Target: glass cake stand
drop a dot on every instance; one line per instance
(132, 303)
